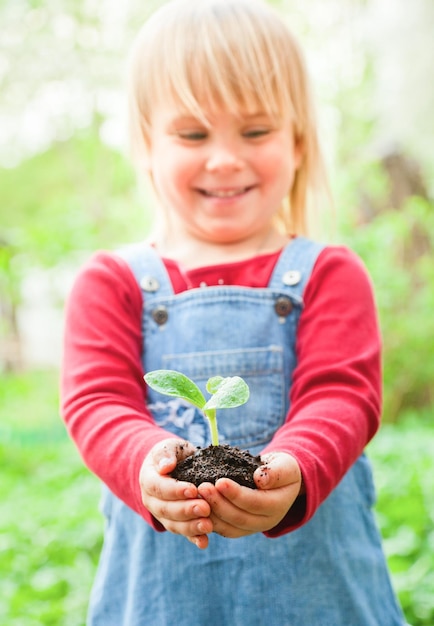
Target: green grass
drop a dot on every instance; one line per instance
(29, 403)
(50, 534)
(50, 527)
(51, 530)
(403, 457)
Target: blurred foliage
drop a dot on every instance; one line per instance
(385, 213)
(51, 530)
(78, 195)
(50, 533)
(29, 404)
(403, 458)
(397, 248)
(56, 207)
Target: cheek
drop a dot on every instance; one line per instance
(289, 158)
(178, 169)
(168, 172)
(277, 168)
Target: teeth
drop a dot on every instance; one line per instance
(230, 193)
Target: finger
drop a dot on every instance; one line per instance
(243, 526)
(200, 541)
(154, 485)
(180, 510)
(195, 528)
(184, 521)
(253, 501)
(237, 511)
(166, 455)
(228, 518)
(278, 470)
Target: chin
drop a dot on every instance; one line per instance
(228, 233)
(226, 239)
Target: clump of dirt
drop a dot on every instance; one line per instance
(209, 464)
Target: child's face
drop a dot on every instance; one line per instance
(222, 182)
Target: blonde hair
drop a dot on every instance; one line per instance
(235, 54)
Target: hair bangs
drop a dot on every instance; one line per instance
(218, 81)
(214, 67)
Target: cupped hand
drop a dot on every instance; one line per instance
(175, 504)
(237, 511)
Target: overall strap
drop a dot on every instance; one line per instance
(294, 267)
(147, 267)
(292, 270)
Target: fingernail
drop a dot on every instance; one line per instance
(164, 462)
(189, 494)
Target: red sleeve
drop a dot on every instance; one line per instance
(102, 387)
(336, 391)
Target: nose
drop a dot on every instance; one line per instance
(224, 157)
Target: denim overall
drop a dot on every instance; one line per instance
(330, 572)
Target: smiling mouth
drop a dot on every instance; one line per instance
(224, 193)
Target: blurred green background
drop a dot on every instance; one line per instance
(67, 188)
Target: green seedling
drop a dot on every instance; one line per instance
(226, 393)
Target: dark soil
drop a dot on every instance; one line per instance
(209, 464)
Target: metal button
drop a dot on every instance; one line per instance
(149, 283)
(160, 315)
(291, 277)
(283, 306)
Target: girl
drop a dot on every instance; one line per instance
(222, 121)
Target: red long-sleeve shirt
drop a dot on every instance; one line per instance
(335, 395)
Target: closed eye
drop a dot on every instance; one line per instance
(254, 133)
(192, 135)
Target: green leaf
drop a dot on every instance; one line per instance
(214, 383)
(172, 383)
(230, 392)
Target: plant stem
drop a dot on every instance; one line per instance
(211, 415)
